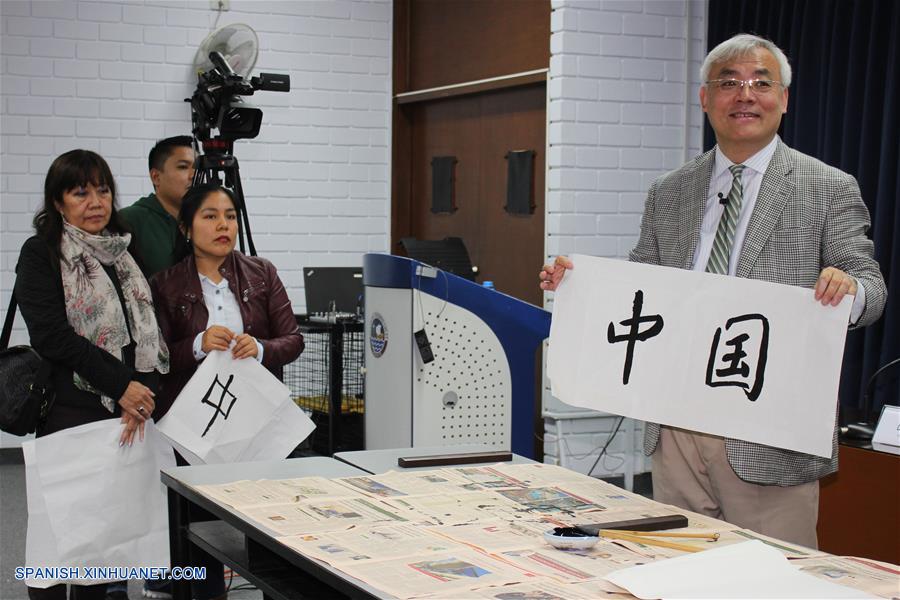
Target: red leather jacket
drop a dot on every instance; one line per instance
(265, 310)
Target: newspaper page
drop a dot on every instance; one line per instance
(410, 483)
(308, 488)
(873, 577)
(425, 483)
(317, 516)
(609, 497)
(482, 478)
(370, 544)
(496, 536)
(243, 494)
(788, 549)
(551, 590)
(550, 500)
(246, 494)
(538, 474)
(442, 574)
(453, 509)
(571, 566)
(556, 564)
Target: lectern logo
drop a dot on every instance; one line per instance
(378, 335)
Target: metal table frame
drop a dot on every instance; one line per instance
(248, 548)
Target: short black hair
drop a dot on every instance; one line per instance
(75, 168)
(164, 148)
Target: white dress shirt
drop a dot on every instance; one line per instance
(223, 310)
(720, 183)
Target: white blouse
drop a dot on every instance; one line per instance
(223, 309)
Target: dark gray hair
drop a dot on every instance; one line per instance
(741, 45)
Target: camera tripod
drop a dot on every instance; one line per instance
(218, 158)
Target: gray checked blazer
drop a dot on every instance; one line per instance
(807, 216)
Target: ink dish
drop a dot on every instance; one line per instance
(569, 538)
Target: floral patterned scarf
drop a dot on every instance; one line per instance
(93, 307)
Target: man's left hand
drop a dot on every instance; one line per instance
(833, 285)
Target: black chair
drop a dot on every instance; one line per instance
(448, 254)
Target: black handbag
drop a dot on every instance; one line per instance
(26, 395)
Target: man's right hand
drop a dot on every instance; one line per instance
(551, 275)
(216, 337)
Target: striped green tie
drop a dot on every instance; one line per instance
(721, 250)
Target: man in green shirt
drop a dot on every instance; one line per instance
(154, 219)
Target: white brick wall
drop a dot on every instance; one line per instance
(617, 107)
(110, 76)
(623, 109)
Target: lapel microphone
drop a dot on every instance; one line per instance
(723, 200)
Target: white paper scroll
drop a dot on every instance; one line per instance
(735, 357)
(234, 410)
(747, 570)
(92, 503)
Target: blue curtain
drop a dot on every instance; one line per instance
(843, 109)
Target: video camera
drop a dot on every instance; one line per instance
(216, 103)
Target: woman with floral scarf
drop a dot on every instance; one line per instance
(89, 312)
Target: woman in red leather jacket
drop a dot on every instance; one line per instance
(219, 299)
(216, 296)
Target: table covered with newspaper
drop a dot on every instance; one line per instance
(477, 532)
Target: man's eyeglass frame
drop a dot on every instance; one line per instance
(756, 86)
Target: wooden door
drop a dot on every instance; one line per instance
(479, 131)
(488, 60)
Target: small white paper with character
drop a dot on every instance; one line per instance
(234, 410)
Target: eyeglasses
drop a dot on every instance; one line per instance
(734, 86)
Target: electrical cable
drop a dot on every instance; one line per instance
(867, 396)
(574, 456)
(421, 303)
(614, 468)
(608, 442)
(219, 9)
(446, 293)
(590, 452)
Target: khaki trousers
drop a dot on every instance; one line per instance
(691, 470)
